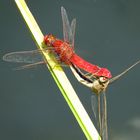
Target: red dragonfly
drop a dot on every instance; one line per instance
(66, 54)
(64, 49)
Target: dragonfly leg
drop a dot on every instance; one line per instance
(88, 77)
(88, 74)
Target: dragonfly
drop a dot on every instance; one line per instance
(65, 53)
(64, 50)
(99, 86)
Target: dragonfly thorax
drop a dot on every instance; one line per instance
(100, 85)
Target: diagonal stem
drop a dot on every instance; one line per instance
(59, 76)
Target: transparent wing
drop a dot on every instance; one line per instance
(94, 106)
(68, 30)
(73, 27)
(99, 107)
(104, 129)
(23, 57)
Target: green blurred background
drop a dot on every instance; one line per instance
(107, 34)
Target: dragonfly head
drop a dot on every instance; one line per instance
(100, 84)
(49, 39)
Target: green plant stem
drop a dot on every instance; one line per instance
(59, 75)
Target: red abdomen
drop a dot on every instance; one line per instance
(90, 68)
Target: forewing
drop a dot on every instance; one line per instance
(66, 25)
(68, 30)
(73, 27)
(23, 57)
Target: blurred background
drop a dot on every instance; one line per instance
(107, 34)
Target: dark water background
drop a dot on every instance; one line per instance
(107, 33)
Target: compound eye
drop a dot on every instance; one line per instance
(103, 79)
